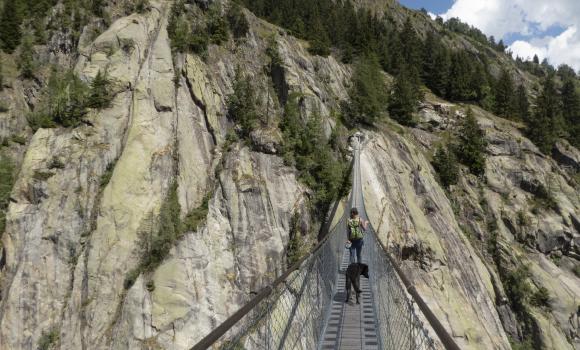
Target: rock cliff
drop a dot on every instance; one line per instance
(72, 251)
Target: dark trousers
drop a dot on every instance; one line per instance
(356, 248)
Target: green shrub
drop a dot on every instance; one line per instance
(170, 229)
(138, 6)
(3, 107)
(217, 26)
(106, 176)
(576, 270)
(21, 140)
(62, 103)
(56, 163)
(541, 298)
(150, 285)
(42, 175)
(26, 58)
(517, 288)
(6, 182)
(197, 216)
(543, 198)
(131, 278)
(48, 339)
(237, 20)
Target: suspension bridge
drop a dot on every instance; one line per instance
(305, 307)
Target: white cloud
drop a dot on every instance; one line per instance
(528, 18)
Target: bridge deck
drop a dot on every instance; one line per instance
(351, 326)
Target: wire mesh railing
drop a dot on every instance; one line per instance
(293, 311)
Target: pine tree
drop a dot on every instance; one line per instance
(217, 26)
(320, 43)
(571, 111)
(436, 64)
(536, 60)
(480, 85)
(26, 59)
(544, 123)
(368, 93)
(411, 49)
(237, 20)
(404, 99)
(445, 164)
(242, 104)
(459, 87)
(10, 31)
(504, 99)
(522, 105)
(100, 95)
(471, 147)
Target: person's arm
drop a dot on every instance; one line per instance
(364, 224)
(347, 233)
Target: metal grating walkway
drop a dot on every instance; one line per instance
(351, 326)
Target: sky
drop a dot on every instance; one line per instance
(550, 29)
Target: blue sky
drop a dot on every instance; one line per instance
(433, 6)
(549, 29)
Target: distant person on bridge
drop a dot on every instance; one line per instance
(355, 232)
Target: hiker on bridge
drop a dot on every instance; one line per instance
(355, 231)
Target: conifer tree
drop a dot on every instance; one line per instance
(571, 111)
(319, 42)
(480, 86)
(504, 99)
(237, 20)
(471, 147)
(536, 60)
(26, 59)
(411, 50)
(10, 21)
(217, 26)
(459, 87)
(435, 64)
(404, 100)
(544, 123)
(100, 95)
(242, 104)
(522, 105)
(445, 164)
(368, 93)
